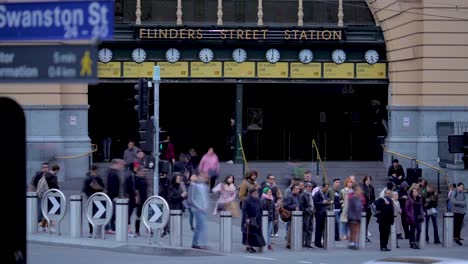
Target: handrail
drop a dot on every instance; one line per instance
(437, 169)
(94, 148)
(319, 159)
(243, 153)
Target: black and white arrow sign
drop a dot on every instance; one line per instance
(157, 212)
(99, 209)
(54, 205)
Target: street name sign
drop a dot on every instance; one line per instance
(57, 20)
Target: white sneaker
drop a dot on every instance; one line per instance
(276, 235)
(369, 234)
(230, 162)
(131, 235)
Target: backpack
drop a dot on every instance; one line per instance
(42, 186)
(374, 210)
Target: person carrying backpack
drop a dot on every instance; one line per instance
(41, 183)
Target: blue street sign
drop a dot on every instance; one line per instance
(63, 20)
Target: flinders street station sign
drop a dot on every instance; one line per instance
(235, 34)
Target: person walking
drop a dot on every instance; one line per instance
(141, 194)
(198, 200)
(41, 183)
(227, 197)
(113, 189)
(354, 208)
(92, 184)
(369, 194)
(414, 217)
(385, 218)
(268, 204)
(458, 203)
(432, 212)
(209, 165)
(251, 224)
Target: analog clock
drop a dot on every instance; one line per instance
(139, 55)
(371, 56)
(172, 55)
(239, 55)
(306, 56)
(206, 55)
(338, 56)
(105, 55)
(272, 55)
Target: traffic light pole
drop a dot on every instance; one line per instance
(156, 80)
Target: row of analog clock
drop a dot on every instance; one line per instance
(240, 55)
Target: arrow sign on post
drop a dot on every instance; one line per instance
(99, 210)
(157, 212)
(54, 205)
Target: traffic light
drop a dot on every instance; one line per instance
(146, 135)
(142, 99)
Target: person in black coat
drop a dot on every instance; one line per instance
(369, 194)
(141, 194)
(92, 184)
(385, 218)
(321, 203)
(251, 225)
(307, 208)
(396, 173)
(113, 188)
(291, 203)
(175, 193)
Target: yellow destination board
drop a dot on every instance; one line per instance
(206, 70)
(174, 70)
(138, 70)
(239, 70)
(371, 71)
(109, 70)
(306, 71)
(338, 71)
(270, 70)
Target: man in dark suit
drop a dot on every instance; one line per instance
(385, 218)
(321, 203)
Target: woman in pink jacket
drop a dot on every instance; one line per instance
(209, 164)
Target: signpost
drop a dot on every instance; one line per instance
(99, 211)
(57, 20)
(65, 63)
(156, 80)
(54, 206)
(155, 214)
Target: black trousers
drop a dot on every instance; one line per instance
(368, 217)
(384, 230)
(414, 233)
(307, 229)
(319, 226)
(457, 225)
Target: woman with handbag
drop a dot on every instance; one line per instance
(431, 212)
(252, 222)
(227, 196)
(414, 217)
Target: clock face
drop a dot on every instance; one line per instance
(139, 55)
(306, 56)
(239, 55)
(206, 55)
(172, 55)
(105, 55)
(272, 55)
(338, 56)
(371, 56)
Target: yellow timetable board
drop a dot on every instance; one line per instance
(174, 70)
(306, 71)
(138, 70)
(206, 70)
(338, 71)
(270, 70)
(109, 70)
(371, 71)
(239, 70)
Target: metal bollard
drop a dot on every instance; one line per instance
(31, 213)
(121, 220)
(75, 216)
(225, 232)
(296, 231)
(422, 237)
(393, 235)
(448, 230)
(330, 230)
(265, 226)
(362, 231)
(176, 228)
